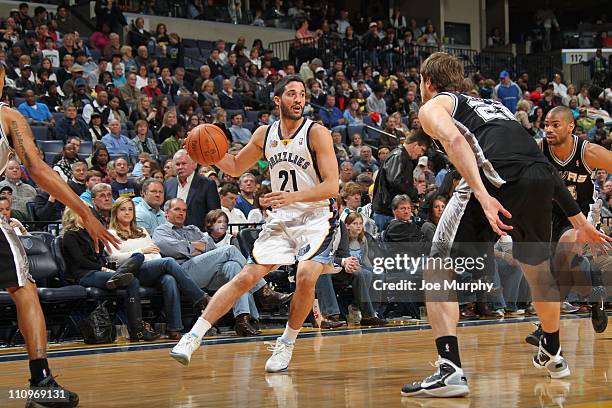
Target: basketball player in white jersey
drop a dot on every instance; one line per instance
(16, 138)
(303, 223)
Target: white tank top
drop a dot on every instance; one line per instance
(293, 164)
(6, 151)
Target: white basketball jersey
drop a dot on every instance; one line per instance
(293, 165)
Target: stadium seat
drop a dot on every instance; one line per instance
(57, 116)
(18, 101)
(51, 146)
(246, 240)
(190, 43)
(43, 268)
(40, 132)
(47, 237)
(249, 125)
(192, 53)
(252, 116)
(49, 156)
(230, 112)
(86, 148)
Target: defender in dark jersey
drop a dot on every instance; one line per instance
(576, 160)
(16, 138)
(483, 134)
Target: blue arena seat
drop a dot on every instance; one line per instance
(252, 116)
(51, 146)
(40, 132)
(86, 148)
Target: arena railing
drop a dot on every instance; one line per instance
(486, 62)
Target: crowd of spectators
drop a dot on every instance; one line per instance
(132, 107)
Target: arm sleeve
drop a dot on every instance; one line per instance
(343, 247)
(213, 201)
(171, 246)
(120, 255)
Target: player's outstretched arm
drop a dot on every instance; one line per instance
(323, 146)
(436, 120)
(20, 133)
(598, 157)
(236, 164)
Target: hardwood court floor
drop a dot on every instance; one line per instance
(357, 370)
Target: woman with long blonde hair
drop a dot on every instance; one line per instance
(165, 273)
(85, 267)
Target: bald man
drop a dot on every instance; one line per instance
(576, 160)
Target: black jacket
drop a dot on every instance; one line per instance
(45, 210)
(394, 177)
(77, 248)
(202, 197)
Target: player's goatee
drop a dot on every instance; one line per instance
(289, 113)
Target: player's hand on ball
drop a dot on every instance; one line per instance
(279, 199)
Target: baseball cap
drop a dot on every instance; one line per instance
(76, 68)
(4, 188)
(367, 169)
(94, 113)
(26, 66)
(109, 84)
(210, 173)
(316, 61)
(373, 24)
(423, 161)
(80, 82)
(320, 69)
(504, 74)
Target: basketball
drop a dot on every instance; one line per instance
(206, 144)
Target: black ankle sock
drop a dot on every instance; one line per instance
(448, 348)
(550, 342)
(39, 370)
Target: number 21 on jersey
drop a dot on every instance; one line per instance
(286, 177)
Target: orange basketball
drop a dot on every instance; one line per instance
(206, 144)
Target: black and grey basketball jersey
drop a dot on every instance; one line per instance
(6, 151)
(503, 148)
(574, 172)
(293, 165)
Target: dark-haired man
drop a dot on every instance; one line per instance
(302, 226)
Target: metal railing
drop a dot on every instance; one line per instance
(487, 63)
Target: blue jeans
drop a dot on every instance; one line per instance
(215, 268)
(168, 274)
(510, 278)
(361, 281)
(97, 279)
(381, 221)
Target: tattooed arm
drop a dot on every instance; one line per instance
(20, 134)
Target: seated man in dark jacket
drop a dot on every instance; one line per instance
(71, 125)
(404, 227)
